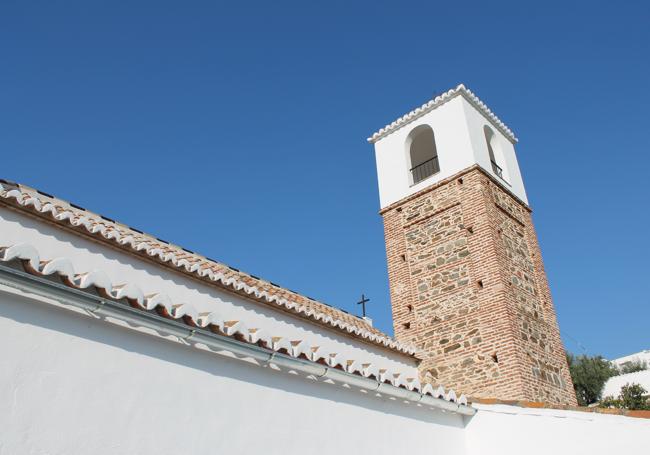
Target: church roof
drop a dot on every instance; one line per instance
(438, 101)
(80, 220)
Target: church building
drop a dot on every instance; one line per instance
(118, 342)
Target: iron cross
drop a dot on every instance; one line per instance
(363, 302)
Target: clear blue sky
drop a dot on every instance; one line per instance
(238, 130)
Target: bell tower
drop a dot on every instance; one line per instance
(467, 282)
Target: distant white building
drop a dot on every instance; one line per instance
(613, 385)
(642, 356)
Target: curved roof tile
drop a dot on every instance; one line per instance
(188, 315)
(83, 221)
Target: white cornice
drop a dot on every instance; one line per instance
(439, 101)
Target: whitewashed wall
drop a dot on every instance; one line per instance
(507, 156)
(512, 430)
(73, 385)
(452, 143)
(460, 142)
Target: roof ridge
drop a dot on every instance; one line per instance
(439, 100)
(186, 261)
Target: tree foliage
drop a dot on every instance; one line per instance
(589, 375)
(632, 397)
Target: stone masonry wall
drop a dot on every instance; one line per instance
(468, 287)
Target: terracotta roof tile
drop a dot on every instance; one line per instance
(82, 221)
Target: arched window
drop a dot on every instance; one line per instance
(496, 155)
(422, 153)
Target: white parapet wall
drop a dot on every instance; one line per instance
(72, 383)
(514, 430)
(76, 385)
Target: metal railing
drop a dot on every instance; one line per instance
(497, 169)
(425, 169)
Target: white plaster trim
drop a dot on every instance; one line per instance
(28, 257)
(62, 212)
(438, 101)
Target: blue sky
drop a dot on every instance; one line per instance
(238, 130)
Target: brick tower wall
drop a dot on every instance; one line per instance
(468, 287)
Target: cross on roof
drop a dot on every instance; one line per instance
(363, 302)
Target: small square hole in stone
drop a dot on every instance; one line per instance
(406, 325)
(479, 283)
(410, 308)
(403, 256)
(470, 229)
(495, 358)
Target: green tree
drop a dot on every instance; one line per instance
(632, 397)
(589, 375)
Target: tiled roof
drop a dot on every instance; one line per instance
(130, 295)
(438, 101)
(136, 242)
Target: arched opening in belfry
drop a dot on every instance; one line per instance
(422, 153)
(497, 159)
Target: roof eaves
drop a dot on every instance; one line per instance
(439, 101)
(120, 235)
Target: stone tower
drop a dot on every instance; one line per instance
(467, 281)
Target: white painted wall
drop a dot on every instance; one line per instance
(452, 143)
(86, 255)
(511, 430)
(460, 141)
(74, 385)
(476, 121)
